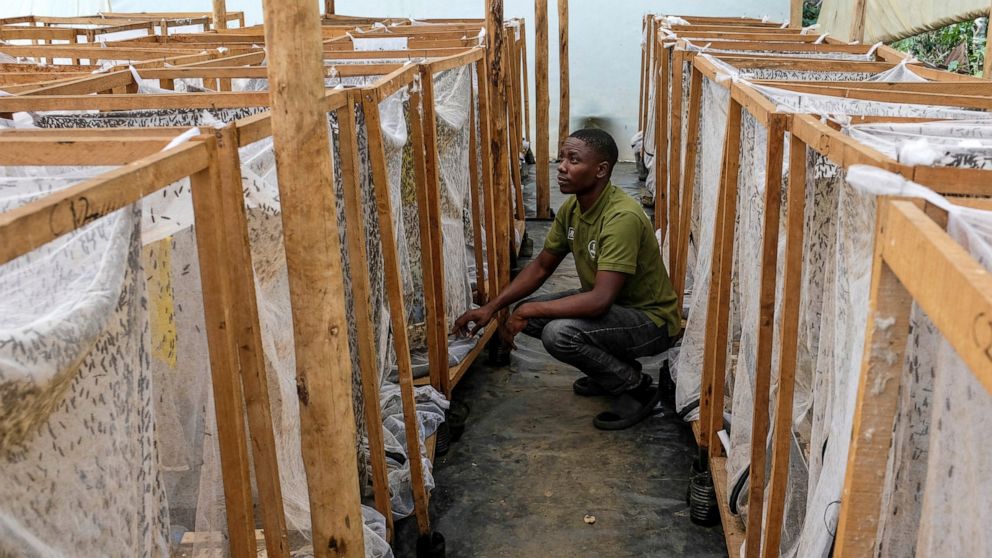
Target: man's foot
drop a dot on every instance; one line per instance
(586, 387)
(630, 408)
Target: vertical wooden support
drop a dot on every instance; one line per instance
(478, 215)
(328, 7)
(680, 57)
(493, 242)
(788, 336)
(228, 396)
(796, 14)
(642, 95)
(875, 410)
(661, 187)
(525, 90)
(513, 113)
(661, 133)
(987, 70)
(497, 135)
(775, 151)
(361, 293)
(680, 240)
(397, 309)
(220, 15)
(248, 334)
(313, 258)
(718, 301)
(542, 109)
(563, 107)
(423, 132)
(858, 21)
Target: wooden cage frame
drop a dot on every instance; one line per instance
(806, 131)
(955, 293)
(242, 133)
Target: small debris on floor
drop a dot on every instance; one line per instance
(589, 519)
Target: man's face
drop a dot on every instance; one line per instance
(580, 167)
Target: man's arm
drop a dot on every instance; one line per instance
(590, 304)
(526, 282)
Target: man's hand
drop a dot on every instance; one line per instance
(515, 323)
(478, 316)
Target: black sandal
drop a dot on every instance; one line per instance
(629, 409)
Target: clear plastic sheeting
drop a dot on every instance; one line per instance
(950, 143)
(430, 414)
(715, 101)
(938, 465)
(81, 469)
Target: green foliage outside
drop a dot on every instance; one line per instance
(957, 48)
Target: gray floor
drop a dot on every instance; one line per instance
(530, 465)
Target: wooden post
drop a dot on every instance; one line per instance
(775, 149)
(661, 134)
(228, 396)
(478, 215)
(423, 133)
(248, 333)
(796, 14)
(788, 335)
(641, 96)
(493, 241)
(563, 107)
(220, 16)
(525, 90)
(858, 22)
(513, 113)
(675, 147)
(361, 293)
(987, 71)
(542, 108)
(877, 402)
(497, 134)
(397, 309)
(306, 188)
(718, 301)
(682, 202)
(328, 7)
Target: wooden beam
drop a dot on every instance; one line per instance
(29, 226)
(774, 149)
(563, 107)
(219, 16)
(858, 21)
(228, 395)
(796, 14)
(313, 259)
(542, 109)
(497, 136)
(875, 410)
(423, 132)
(682, 199)
(397, 307)
(987, 70)
(328, 7)
(788, 336)
(247, 331)
(525, 89)
(718, 302)
(488, 179)
(368, 359)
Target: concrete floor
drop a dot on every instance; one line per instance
(531, 466)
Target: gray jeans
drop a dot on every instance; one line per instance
(605, 348)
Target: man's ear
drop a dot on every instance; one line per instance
(603, 169)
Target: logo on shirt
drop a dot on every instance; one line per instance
(571, 233)
(592, 248)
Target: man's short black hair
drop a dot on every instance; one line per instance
(600, 142)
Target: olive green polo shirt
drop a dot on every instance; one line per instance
(616, 235)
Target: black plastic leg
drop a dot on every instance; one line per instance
(431, 545)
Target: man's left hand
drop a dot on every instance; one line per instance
(515, 323)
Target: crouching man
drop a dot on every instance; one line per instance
(626, 308)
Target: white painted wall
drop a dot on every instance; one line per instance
(604, 35)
